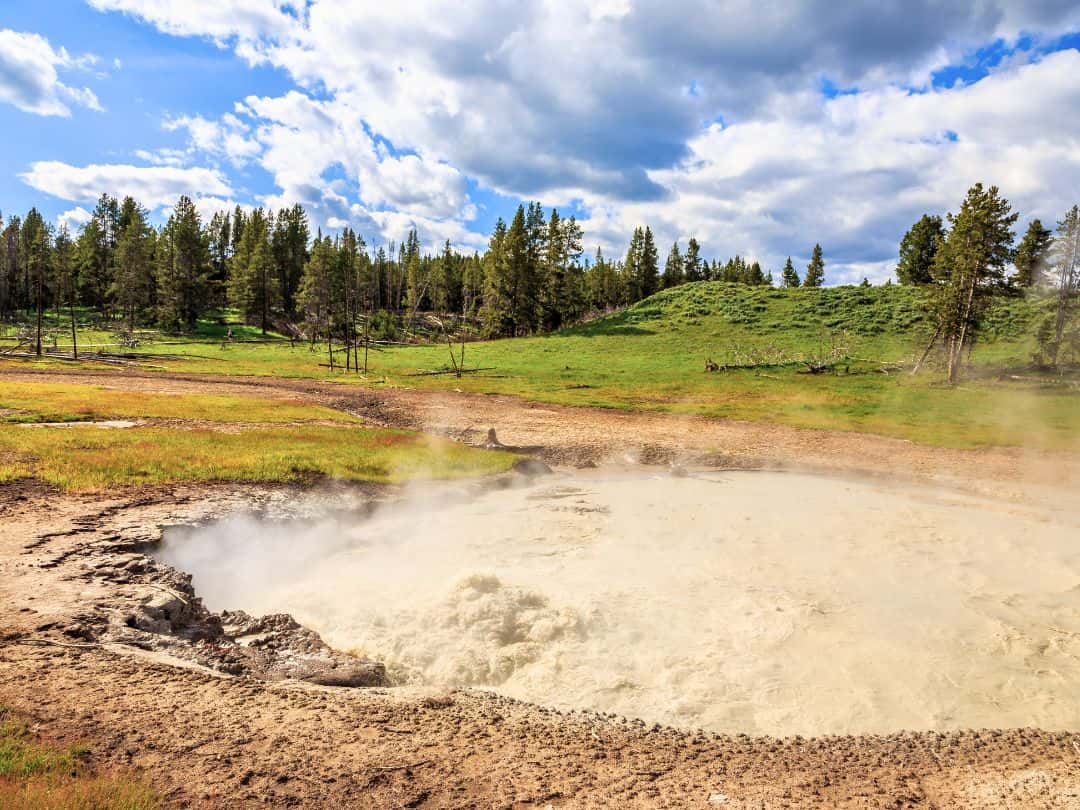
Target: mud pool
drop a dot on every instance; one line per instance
(742, 602)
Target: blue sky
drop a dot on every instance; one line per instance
(757, 132)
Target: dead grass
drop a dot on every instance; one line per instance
(38, 776)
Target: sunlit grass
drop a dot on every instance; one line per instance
(86, 458)
(52, 402)
(37, 776)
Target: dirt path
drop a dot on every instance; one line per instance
(211, 740)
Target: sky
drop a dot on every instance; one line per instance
(759, 129)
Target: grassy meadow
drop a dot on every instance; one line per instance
(651, 356)
(204, 438)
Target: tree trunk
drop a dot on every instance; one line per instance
(957, 348)
(39, 311)
(929, 346)
(74, 341)
(1065, 291)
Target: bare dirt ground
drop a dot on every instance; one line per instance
(73, 575)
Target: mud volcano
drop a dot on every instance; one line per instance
(741, 602)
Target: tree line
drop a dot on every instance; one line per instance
(533, 276)
(965, 259)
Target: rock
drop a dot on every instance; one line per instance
(532, 467)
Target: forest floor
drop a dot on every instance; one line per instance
(71, 563)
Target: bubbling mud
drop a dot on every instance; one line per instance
(740, 602)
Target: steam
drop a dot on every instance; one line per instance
(746, 602)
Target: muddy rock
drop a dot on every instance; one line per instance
(532, 467)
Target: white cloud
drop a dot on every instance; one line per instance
(74, 218)
(153, 186)
(859, 172)
(586, 101)
(29, 77)
(219, 19)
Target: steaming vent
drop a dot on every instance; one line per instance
(742, 602)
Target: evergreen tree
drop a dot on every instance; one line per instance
(290, 245)
(66, 279)
(132, 290)
(9, 268)
(815, 271)
(1031, 255)
(34, 245)
(755, 275)
(673, 269)
(219, 242)
(648, 265)
(632, 266)
(183, 268)
(316, 293)
(1060, 327)
(496, 314)
(96, 254)
(789, 277)
(254, 281)
(918, 249)
(970, 264)
(692, 265)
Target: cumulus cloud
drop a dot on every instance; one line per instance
(154, 186)
(698, 118)
(74, 218)
(856, 174)
(219, 19)
(30, 80)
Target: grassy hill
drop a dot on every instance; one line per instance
(652, 356)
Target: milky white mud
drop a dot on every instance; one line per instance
(741, 602)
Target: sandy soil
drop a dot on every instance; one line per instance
(207, 739)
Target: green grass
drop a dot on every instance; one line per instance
(54, 402)
(651, 357)
(38, 776)
(79, 457)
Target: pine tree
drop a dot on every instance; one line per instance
(789, 277)
(648, 265)
(970, 265)
(918, 249)
(1060, 327)
(692, 264)
(316, 293)
(97, 254)
(219, 242)
(9, 267)
(34, 245)
(132, 290)
(1031, 255)
(496, 314)
(183, 268)
(632, 266)
(290, 244)
(254, 280)
(66, 279)
(673, 269)
(815, 271)
(755, 275)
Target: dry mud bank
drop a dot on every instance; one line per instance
(218, 720)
